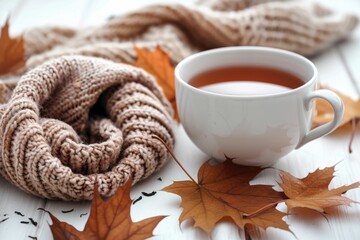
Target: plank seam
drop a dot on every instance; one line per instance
(348, 70)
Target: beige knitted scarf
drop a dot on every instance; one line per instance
(73, 120)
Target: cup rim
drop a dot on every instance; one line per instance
(251, 48)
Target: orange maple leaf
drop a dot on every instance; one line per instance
(108, 220)
(223, 192)
(313, 191)
(12, 51)
(158, 64)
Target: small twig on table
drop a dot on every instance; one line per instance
(354, 123)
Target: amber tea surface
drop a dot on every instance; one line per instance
(246, 80)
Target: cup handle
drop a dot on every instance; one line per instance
(338, 107)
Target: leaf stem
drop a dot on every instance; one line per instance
(354, 123)
(266, 207)
(172, 154)
(247, 234)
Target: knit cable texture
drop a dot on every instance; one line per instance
(75, 120)
(304, 27)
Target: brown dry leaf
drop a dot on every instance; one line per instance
(158, 64)
(108, 220)
(223, 192)
(313, 191)
(325, 113)
(12, 51)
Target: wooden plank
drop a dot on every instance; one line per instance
(332, 72)
(11, 200)
(349, 49)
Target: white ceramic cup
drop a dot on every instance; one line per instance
(256, 129)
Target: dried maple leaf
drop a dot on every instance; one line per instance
(108, 220)
(158, 64)
(12, 51)
(313, 191)
(223, 192)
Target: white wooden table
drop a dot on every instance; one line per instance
(339, 67)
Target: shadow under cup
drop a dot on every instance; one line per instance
(256, 129)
